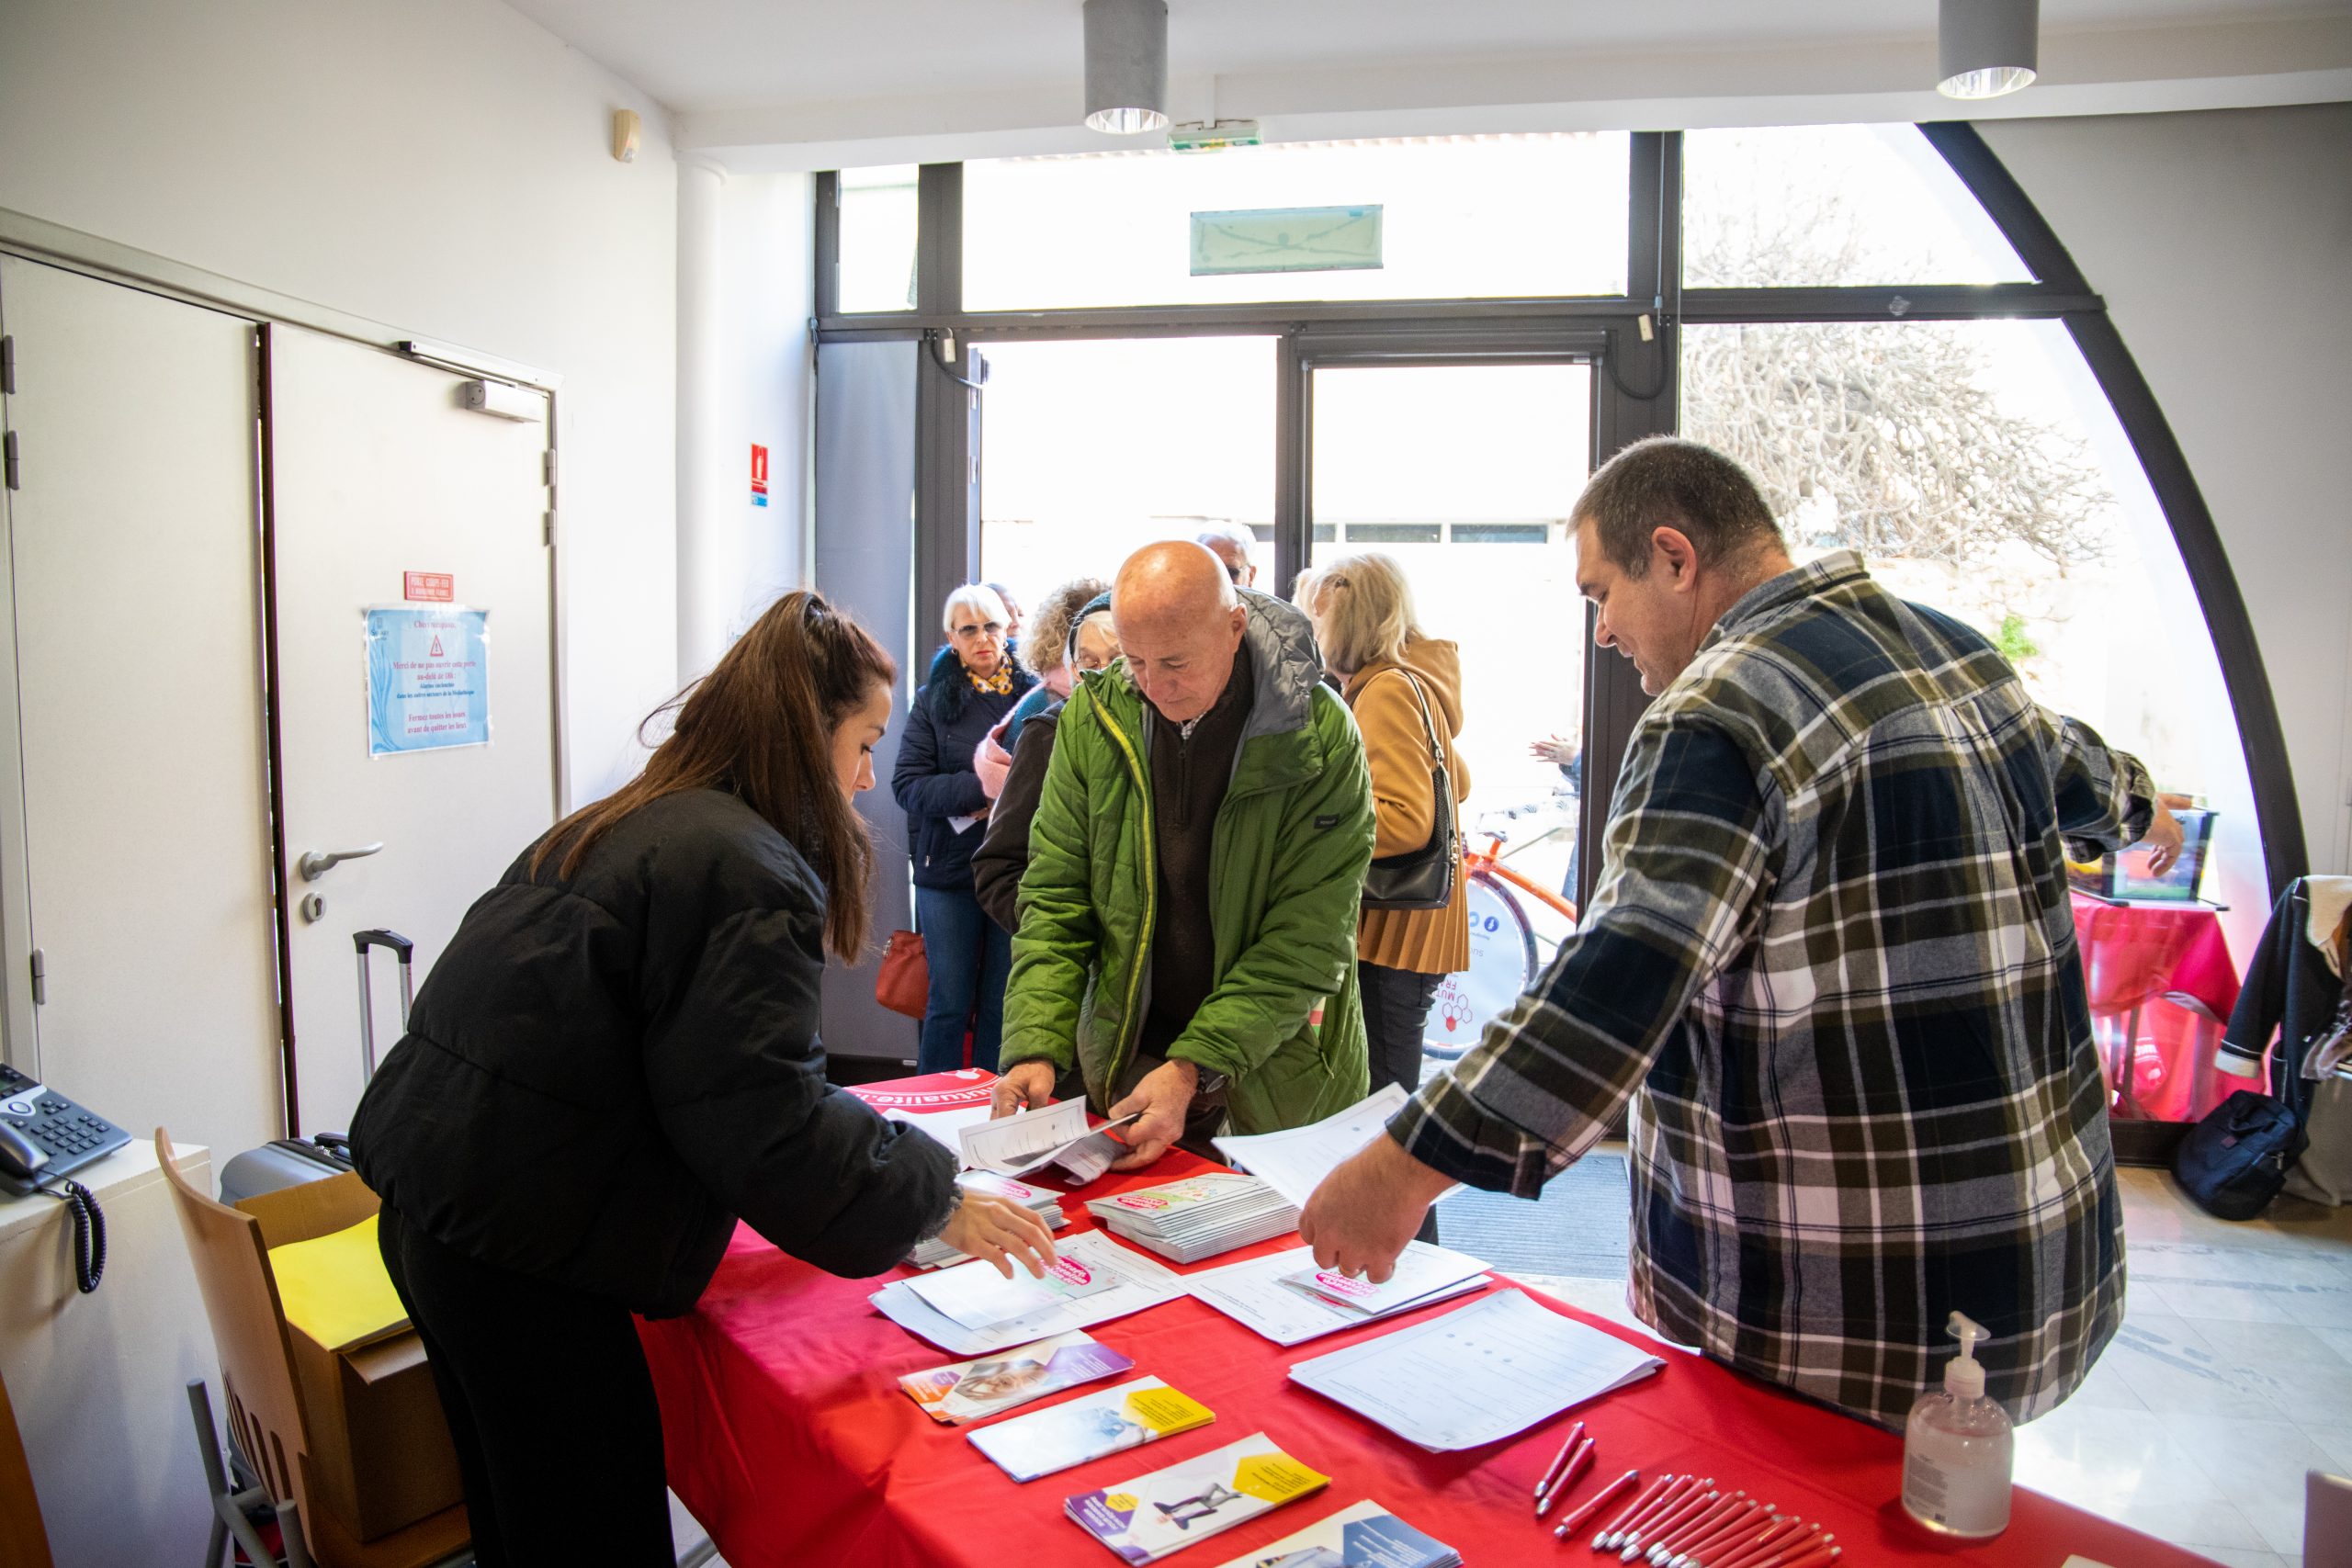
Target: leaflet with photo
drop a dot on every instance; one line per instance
(1139, 1284)
(1363, 1535)
(974, 1390)
(1144, 1519)
(976, 1296)
(1128, 1417)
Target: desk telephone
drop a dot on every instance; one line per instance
(43, 1138)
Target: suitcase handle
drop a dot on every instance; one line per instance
(361, 941)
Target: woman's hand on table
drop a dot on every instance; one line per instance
(1025, 1087)
(1000, 1231)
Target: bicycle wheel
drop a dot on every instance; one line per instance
(1502, 964)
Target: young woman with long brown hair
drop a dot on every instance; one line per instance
(616, 1058)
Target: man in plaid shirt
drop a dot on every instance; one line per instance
(1831, 964)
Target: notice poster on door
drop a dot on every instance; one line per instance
(428, 679)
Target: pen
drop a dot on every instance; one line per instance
(1577, 1463)
(1741, 1523)
(1586, 1514)
(1559, 1463)
(1693, 1503)
(1665, 1544)
(1649, 1495)
(1772, 1527)
(1820, 1557)
(1793, 1534)
(1668, 1501)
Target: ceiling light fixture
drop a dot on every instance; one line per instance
(1126, 65)
(1985, 48)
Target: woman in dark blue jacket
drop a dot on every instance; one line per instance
(972, 683)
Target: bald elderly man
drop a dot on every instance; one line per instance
(1188, 918)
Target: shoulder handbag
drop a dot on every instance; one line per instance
(2234, 1161)
(1422, 878)
(903, 983)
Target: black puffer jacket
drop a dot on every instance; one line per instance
(602, 1072)
(933, 779)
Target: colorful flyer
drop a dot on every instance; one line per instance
(1144, 1519)
(974, 1390)
(1363, 1535)
(1128, 1417)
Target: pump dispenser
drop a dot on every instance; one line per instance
(1958, 1449)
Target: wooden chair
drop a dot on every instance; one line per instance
(266, 1408)
(23, 1539)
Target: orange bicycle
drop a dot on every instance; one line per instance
(1506, 950)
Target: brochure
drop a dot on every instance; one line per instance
(1364, 1536)
(1295, 1162)
(1475, 1375)
(1138, 1283)
(1049, 1135)
(1422, 1270)
(974, 1390)
(1126, 1417)
(976, 1296)
(1256, 1295)
(1144, 1519)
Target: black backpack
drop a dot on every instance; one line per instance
(2235, 1160)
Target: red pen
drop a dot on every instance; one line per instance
(1693, 1503)
(1742, 1523)
(1666, 1544)
(1559, 1463)
(1820, 1557)
(1578, 1462)
(1779, 1528)
(1667, 1500)
(1796, 1534)
(1633, 1510)
(1600, 1500)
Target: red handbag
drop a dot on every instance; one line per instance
(903, 983)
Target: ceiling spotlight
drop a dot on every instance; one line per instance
(1985, 48)
(1126, 65)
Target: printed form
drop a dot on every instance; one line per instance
(1476, 1375)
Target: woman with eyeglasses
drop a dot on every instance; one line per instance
(973, 682)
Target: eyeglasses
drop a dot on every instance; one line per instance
(1233, 572)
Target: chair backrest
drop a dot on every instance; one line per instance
(24, 1540)
(248, 1330)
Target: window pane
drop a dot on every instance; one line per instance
(1092, 450)
(1979, 469)
(1831, 205)
(1461, 217)
(1499, 453)
(878, 209)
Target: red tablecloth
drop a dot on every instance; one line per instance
(2136, 957)
(788, 1437)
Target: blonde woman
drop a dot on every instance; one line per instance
(972, 683)
(1362, 611)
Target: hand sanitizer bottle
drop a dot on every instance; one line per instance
(1957, 1450)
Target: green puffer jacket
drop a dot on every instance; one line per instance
(1291, 844)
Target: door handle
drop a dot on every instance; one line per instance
(314, 865)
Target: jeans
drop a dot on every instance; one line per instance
(969, 956)
(550, 1408)
(1396, 1017)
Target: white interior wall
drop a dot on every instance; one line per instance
(745, 296)
(442, 166)
(2219, 241)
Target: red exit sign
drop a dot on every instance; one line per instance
(431, 587)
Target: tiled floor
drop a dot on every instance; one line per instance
(2231, 1377)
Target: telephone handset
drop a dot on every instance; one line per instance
(44, 1137)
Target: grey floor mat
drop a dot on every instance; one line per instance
(1577, 1228)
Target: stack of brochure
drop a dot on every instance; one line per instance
(1199, 1216)
(1286, 1298)
(1364, 1536)
(1076, 1430)
(1136, 1283)
(1144, 1519)
(974, 1390)
(1043, 1201)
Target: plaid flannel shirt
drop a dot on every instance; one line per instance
(1831, 962)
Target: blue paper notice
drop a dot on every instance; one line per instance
(428, 680)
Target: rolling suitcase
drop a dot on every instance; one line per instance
(291, 1162)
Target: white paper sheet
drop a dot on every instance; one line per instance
(1295, 1163)
(1048, 1134)
(1253, 1295)
(976, 1296)
(942, 1126)
(1422, 1269)
(1142, 1283)
(1475, 1375)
